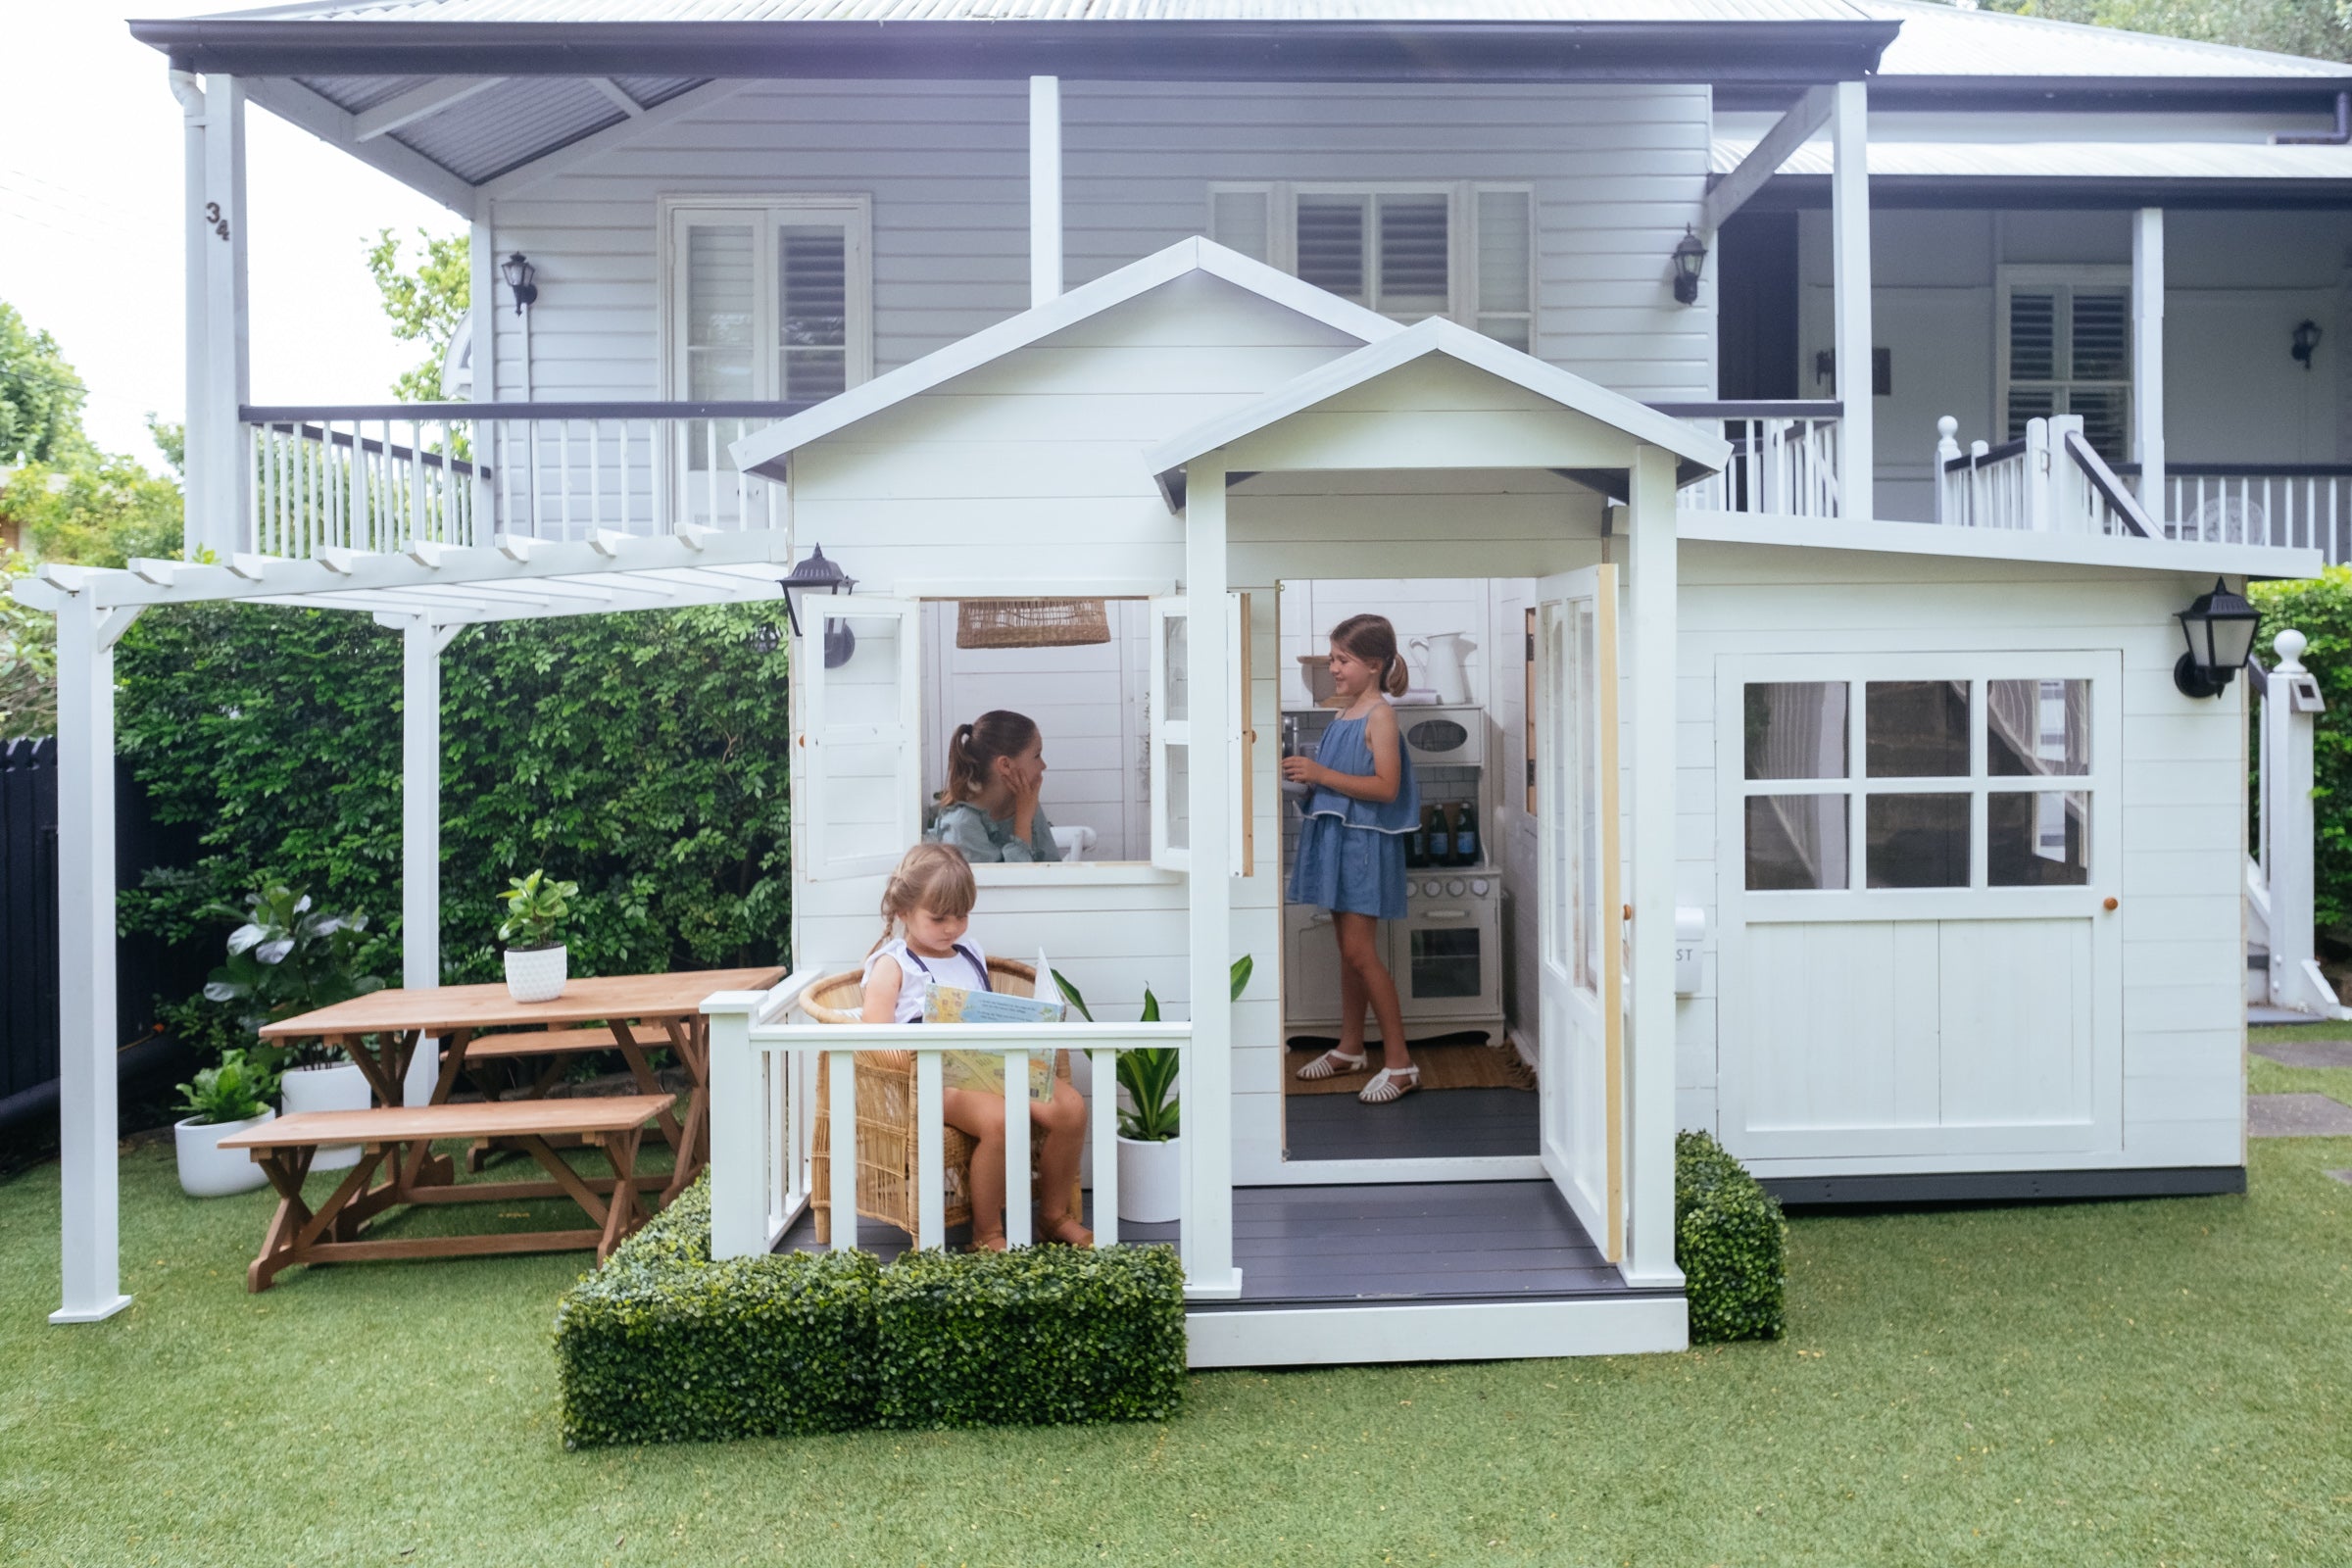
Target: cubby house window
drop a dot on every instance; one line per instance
(1961, 783)
(1458, 250)
(2066, 348)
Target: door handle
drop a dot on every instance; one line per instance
(1444, 915)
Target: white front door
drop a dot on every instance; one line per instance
(1581, 1035)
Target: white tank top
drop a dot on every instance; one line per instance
(967, 967)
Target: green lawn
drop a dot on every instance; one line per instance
(2123, 1383)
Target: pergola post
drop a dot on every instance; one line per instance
(1208, 1096)
(1652, 591)
(219, 474)
(89, 1217)
(420, 645)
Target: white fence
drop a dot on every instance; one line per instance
(2302, 507)
(2048, 480)
(763, 1114)
(1785, 458)
(379, 477)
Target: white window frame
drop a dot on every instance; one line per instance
(2101, 279)
(853, 210)
(1167, 734)
(832, 719)
(1463, 259)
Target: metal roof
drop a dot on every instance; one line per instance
(1942, 40)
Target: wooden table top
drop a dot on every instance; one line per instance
(627, 997)
(509, 1118)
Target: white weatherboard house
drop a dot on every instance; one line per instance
(1812, 743)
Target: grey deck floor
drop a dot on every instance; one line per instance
(1436, 1124)
(1366, 1244)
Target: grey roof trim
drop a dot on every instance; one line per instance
(2064, 192)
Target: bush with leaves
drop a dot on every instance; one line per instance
(1731, 1243)
(2321, 609)
(286, 958)
(239, 1088)
(28, 660)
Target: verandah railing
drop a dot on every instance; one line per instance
(763, 1114)
(2048, 480)
(2302, 505)
(1784, 458)
(379, 477)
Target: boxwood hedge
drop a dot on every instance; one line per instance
(662, 1344)
(1730, 1242)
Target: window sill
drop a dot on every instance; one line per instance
(1084, 873)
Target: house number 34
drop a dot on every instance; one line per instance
(211, 216)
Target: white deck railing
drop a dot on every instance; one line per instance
(2300, 506)
(379, 477)
(763, 1114)
(2048, 480)
(1784, 457)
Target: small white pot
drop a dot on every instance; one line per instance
(340, 1086)
(206, 1169)
(1150, 1181)
(536, 974)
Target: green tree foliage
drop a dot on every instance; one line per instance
(2319, 29)
(425, 304)
(2322, 611)
(60, 497)
(27, 661)
(40, 396)
(641, 755)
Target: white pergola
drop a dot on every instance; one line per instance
(427, 594)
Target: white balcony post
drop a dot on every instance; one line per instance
(1207, 1112)
(2147, 359)
(738, 1195)
(1651, 590)
(1849, 253)
(1045, 189)
(420, 643)
(220, 378)
(89, 1216)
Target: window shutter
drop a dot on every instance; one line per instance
(1414, 255)
(1171, 735)
(860, 763)
(1331, 245)
(2032, 336)
(2100, 342)
(812, 310)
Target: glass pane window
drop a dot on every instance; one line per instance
(1797, 843)
(1916, 841)
(2037, 727)
(2037, 839)
(1796, 729)
(719, 281)
(1915, 730)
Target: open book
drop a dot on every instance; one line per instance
(985, 1070)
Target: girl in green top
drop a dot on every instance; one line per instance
(996, 767)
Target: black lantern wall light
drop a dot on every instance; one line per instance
(519, 273)
(2218, 628)
(1689, 256)
(2305, 343)
(818, 575)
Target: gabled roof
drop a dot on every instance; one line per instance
(764, 451)
(1698, 454)
(1944, 41)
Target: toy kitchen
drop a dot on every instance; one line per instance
(1445, 955)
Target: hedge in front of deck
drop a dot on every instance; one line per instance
(1731, 1243)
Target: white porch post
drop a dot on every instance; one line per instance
(219, 476)
(1045, 189)
(2147, 359)
(89, 1217)
(1849, 254)
(1207, 1097)
(420, 644)
(1652, 591)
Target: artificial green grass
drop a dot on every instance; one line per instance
(2136, 1382)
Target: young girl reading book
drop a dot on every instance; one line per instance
(1351, 847)
(926, 914)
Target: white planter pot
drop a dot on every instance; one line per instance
(536, 974)
(340, 1087)
(206, 1169)
(1150, 1181)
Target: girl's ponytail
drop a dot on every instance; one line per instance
(1373, 640)
(973, 750)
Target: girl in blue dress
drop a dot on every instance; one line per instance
(1351, 848)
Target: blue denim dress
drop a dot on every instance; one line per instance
(1352, 852)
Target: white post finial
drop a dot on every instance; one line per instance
(2289, 645)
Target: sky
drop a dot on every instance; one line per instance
(90, 194)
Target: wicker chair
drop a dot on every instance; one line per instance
(887, 1179)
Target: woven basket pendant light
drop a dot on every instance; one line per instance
(1031, 622)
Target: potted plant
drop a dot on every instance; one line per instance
(537, 964)
(1150, 1153)
(288, 958)
(221, 1101)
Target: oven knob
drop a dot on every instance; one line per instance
(1479, 887)
(1455, 888)
(1431, 889)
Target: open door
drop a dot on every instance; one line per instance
(861, 763)
(1581, 1033)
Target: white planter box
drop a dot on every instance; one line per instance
(206, 1169)
(1150, 1181)
(536, 974)
(340, 1087)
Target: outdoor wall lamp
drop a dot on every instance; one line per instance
(1690, 255)
(520, 271)
(2218, 628)
(816, 574)
(2307, 341)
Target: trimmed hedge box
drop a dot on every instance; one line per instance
(662, 1344)
(1730, 1242)
(1038, 1336)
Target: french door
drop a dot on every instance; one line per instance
(1580, 984)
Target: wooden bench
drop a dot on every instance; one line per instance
(553, 1049)
(330, 1233)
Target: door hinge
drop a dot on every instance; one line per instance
(1531, 647)
(1531, 772)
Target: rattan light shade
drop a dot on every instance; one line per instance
(1031, 622)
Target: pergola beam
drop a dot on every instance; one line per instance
(618, 94)
(1790, 132)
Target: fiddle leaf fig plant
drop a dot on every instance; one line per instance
(536, 909)
(1149, 1075)
(286, 956)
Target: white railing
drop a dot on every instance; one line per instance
(1784, 457)
(2300, 506)
(379, 477)
(763, 1114)
(2048, 480)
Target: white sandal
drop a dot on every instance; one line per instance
(1332, 1063)
(1389, 1084)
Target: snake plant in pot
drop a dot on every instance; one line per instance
(1151, 1152)
(537, 964)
